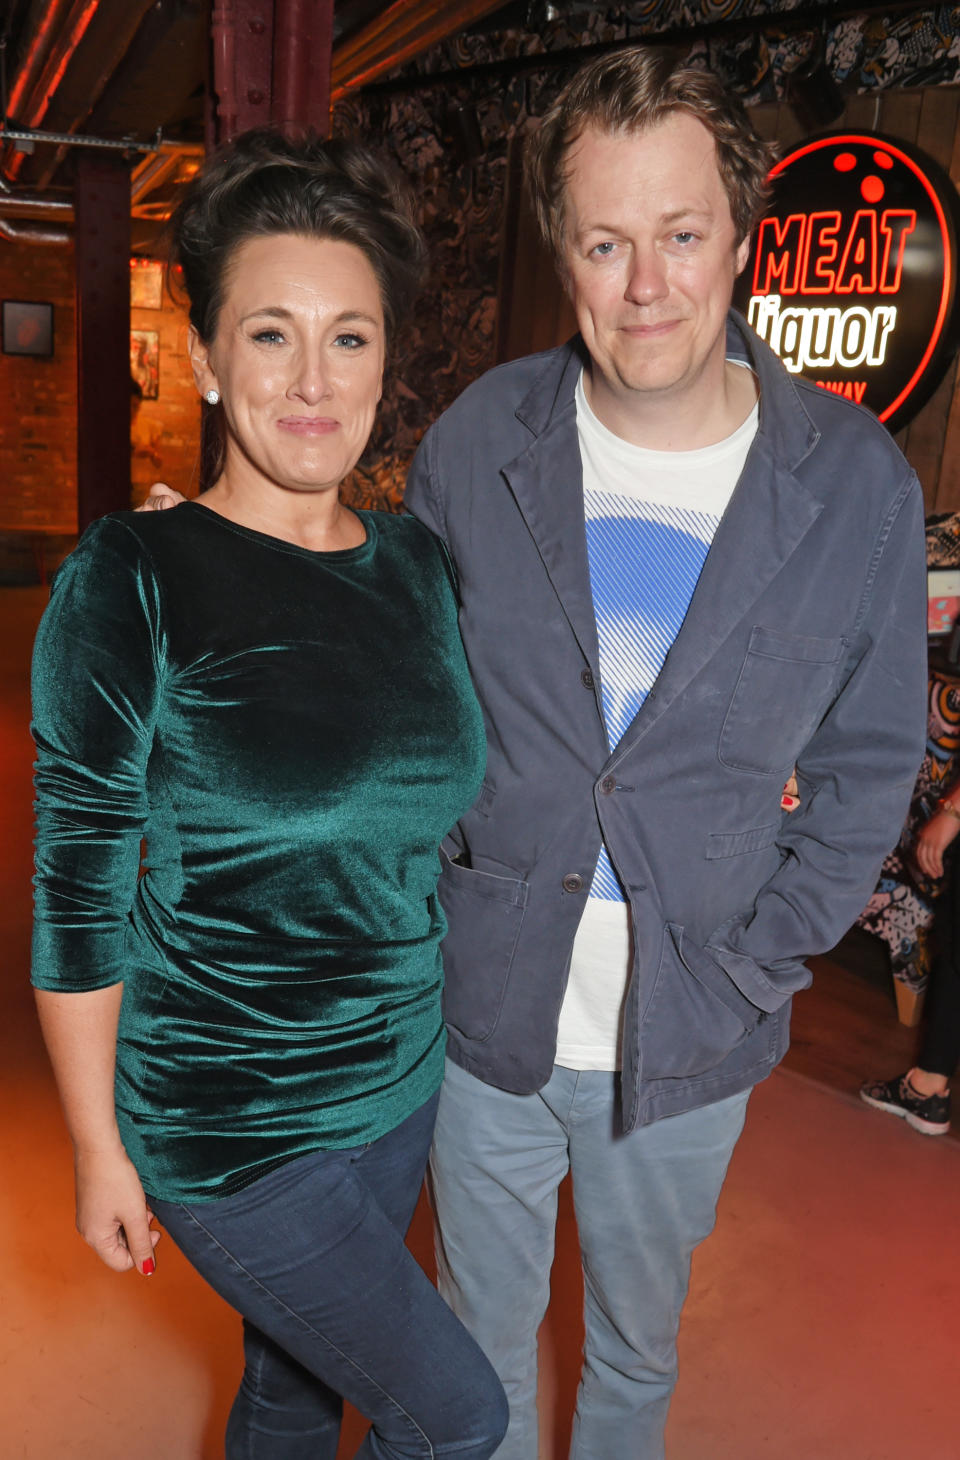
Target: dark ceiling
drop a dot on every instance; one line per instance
(137, 72)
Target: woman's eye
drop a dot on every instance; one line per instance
(268, 337)
(350, 341)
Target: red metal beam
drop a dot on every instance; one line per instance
(271, 63)
(102, 213)
(223, 35)
(302, 46)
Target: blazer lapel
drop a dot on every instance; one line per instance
(547, 483)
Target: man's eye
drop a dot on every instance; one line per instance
(684, 236)
(603, 249)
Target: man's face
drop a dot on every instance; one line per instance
(651, 256)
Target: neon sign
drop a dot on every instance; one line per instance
(852, 276)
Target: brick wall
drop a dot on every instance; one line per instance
(165, 433)
(38, 421)
(38, 426)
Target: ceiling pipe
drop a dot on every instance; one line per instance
(73, 96)
(30, 233)
(403, 31)
(20, 204)
(31, 103)
(50, 24)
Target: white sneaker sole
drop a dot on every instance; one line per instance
(915, 1122)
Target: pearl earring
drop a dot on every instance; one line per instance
(212, 397)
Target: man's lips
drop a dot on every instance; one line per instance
(643, 331)
(308, 425)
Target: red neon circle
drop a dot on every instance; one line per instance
(872, 188)
(818, 146)
(844, 162)
(883, 159)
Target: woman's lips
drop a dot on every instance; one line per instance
(308, 425)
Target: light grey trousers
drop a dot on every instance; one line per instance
(643, 1202)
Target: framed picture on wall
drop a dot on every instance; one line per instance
(27, 328)
(146, 284)
(145, 361)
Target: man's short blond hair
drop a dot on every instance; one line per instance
(630, 91)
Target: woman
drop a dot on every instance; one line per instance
(271, 690)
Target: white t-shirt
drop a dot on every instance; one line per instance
(651, 517)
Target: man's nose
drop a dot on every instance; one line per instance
(647, 281)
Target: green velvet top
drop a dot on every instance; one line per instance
(292, 733)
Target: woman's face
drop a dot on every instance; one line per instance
(298, 360)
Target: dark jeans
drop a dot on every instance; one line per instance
(334, 1305)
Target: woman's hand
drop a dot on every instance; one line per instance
(790, 800)
(80, 1031)
(933, 838)
(161, 496)
(112, 1212)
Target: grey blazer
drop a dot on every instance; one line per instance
(804, 645)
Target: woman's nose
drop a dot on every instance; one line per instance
(312, 377)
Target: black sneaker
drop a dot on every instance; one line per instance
(929, 1114)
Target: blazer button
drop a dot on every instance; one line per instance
(573, 882)
(586, 678)
(608, 784)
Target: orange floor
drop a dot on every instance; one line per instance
(822, 1322)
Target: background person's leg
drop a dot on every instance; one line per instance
(311, 1260)
(939, 1051)
(496, 1164)
(643, 1202)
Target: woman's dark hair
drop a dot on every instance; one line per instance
(264, 183)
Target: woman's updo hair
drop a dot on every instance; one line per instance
(263, 183)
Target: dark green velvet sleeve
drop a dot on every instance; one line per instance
(97, 670)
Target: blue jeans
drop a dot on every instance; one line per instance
(643, 1202)
(334, 1306)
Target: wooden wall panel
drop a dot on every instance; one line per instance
(938, 123)
(900, 114)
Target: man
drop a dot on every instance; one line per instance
(683, 574)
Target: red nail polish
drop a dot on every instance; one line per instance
(149, 1267)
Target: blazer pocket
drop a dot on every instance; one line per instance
(695, 1016)
(484, 912)
(784, 689)
(738, 843)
